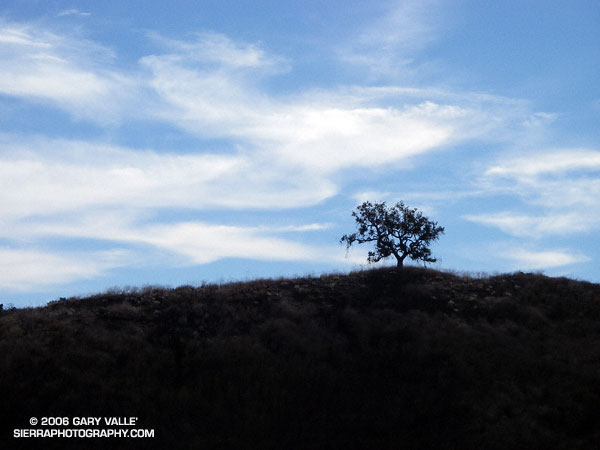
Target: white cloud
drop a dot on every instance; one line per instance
(188, 242)
(324, 132)
(361, 197)
(204, 243)
(553, 162)
(387, 45)
(277, 151)
(73, 12)
(209, 47)
(540, 119)
(297, 228)
(43, 176)
(531, 226)
(208, 87)
(332, 139)
(562, 183)
(28, 270)
(77, 190)
(13, 35)
(537, 260)
(70, 73)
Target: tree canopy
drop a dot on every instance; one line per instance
(397, 231)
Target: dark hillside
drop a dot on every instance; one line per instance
(381, 359)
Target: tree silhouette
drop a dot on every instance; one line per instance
(399, 231)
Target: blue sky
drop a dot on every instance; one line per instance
(179, 142)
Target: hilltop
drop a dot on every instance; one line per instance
(388, 358)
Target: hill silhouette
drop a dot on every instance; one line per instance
(382, 359)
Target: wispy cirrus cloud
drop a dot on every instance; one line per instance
(31, 269)
(321, 131)
(71, 175)
(208, 87)
(526, 255)
(274, 151)
(554, 162)
(73, 12)
(388, 45)
(537, 226)
(524, 259)
(561, 183)
(132, 240)
(191, 242)
(216, 49)
(66, 190)
(70, 73)
(540, 119)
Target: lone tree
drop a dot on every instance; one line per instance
(398, 230)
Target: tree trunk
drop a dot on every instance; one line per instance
(400, 260)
